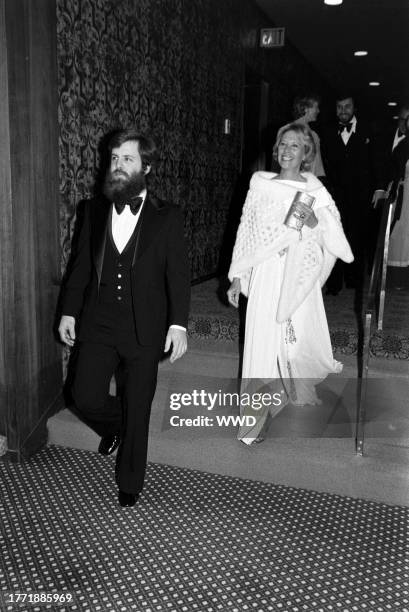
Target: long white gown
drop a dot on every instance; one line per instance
(289, 357)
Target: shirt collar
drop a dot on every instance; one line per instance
(398, 138)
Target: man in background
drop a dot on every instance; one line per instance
(350, 167)
(398, 256)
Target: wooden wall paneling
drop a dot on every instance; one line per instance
(46, 198)
(7, 329)
(33, 128)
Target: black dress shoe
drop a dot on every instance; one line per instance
(109, 444)
(127, 500)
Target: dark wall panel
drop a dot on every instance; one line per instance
(30, 360)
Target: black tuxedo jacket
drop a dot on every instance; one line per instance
(388, 162)
(350, 167)
(159, 275)
(399, 158)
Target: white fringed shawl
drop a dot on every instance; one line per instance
(262, 234)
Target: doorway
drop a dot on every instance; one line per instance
(254, 155)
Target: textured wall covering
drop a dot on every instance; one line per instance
(176, 68)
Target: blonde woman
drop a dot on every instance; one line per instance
(282, 270)
(305, 111)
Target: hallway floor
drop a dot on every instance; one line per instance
(312, 448)
(194, 542)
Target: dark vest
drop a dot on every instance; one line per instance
(114, 310)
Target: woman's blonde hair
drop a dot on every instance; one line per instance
(307, 139)
(303, 103)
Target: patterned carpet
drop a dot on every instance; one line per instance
(212, 319)
(194, 542)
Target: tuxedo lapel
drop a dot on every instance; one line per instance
(101, 220)
(150, 225)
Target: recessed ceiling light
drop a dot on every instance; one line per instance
(374, 83)
(333, 2)
(360, 53)
(392, 104)
(395, 117)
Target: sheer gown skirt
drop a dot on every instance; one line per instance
(287, 358)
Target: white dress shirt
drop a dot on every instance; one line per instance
(397, 139)
(345, 135)
(123, 226)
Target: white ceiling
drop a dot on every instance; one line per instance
(328, 35)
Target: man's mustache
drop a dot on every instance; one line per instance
(117, 173)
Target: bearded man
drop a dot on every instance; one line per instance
(125, 302)
(352, 165)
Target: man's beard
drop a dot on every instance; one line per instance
(120, 187)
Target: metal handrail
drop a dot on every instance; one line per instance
(375, 304)
(378, 273)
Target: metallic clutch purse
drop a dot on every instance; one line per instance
(297, 215)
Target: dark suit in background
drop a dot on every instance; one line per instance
(397, 154)
(348, 171)
(351, 175)
(398, 269)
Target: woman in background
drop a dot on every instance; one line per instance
(282, 270)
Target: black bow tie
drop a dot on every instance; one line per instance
(133, 204)
(344, 126)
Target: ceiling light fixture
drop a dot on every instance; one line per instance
(392, 104)
(395, 117)
(333, 2)
(360, 53)
(374, 84)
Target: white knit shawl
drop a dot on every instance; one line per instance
(262, 234)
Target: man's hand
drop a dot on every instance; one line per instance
(233, 292)
(66, 329)
(176, 338)
(379, 194)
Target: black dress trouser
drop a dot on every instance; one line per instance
(96, 363)
(353, 208)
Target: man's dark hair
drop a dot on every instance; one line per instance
(301, 103)
(147, 146)
(343, 95)
(403, 106)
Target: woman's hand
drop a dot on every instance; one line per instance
(233, 293)
(300, 214)
(311, 220)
